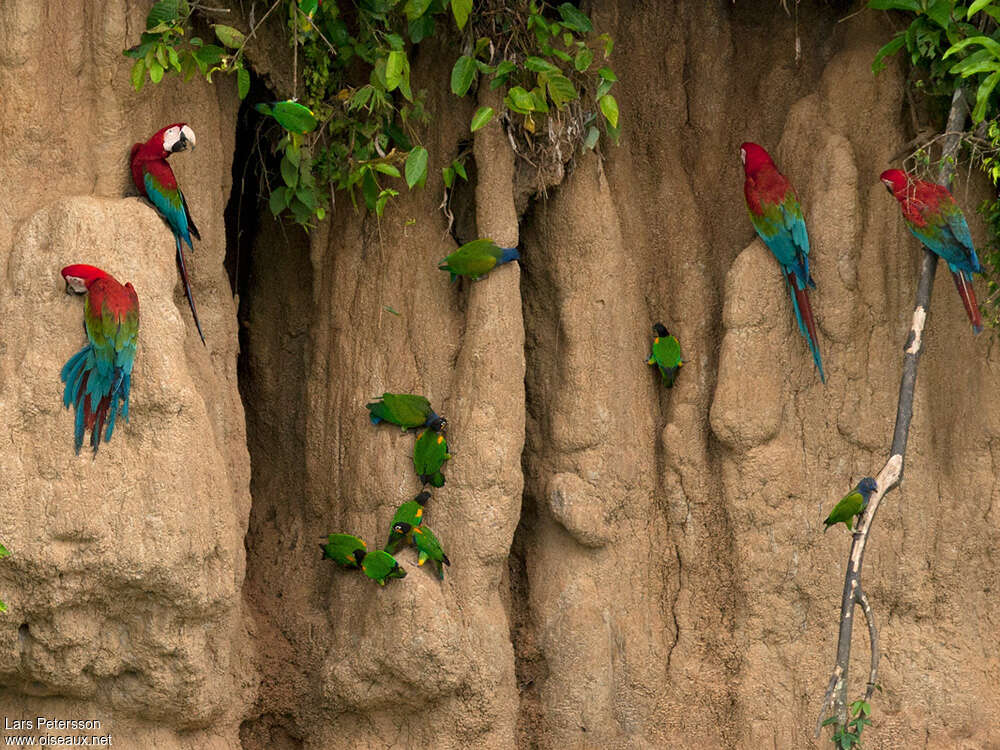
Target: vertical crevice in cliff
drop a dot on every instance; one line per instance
(267, 261)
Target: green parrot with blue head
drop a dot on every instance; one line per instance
(404, 409)
(477, 258)
(851, 504)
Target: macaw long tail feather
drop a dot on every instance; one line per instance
(187, 286)
(807, 324)
(968, 295)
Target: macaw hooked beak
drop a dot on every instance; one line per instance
(186, 139)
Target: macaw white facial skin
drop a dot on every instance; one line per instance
(76, 285)
(177, 139)
(743, 156)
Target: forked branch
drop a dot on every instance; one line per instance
(892, 473)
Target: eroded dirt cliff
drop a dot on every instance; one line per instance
(632, 568)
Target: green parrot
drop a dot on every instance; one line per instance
(851, 504)
(406, 410)
(477, 258)
(410, 513)
(430, 451)
(380, 566)
(342, 549)
(666, 355)
(428, 546)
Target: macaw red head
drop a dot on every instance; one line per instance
(174, 138)
(896, 182)
(79, 277)
(754, 158)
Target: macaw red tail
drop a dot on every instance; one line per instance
(187, 286)
(968, 295)
(807, 324)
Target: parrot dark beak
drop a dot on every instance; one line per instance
(181, 145)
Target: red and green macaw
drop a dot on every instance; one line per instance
(935, 219)
(98, 377)
(777, 216)
(156, 182)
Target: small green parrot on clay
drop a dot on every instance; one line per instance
(380, 566)
(477, 258)
(410, 513)
(406, 410)
(430, 451)
(428, 546)
(666, 355)
(851, 504)
(343, 549)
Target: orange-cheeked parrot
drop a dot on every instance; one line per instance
(934, 218)
(777, 216)
(343, 549)
(98, 377)
(156, 182)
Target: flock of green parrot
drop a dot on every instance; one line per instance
(98, 377)
(430, 451)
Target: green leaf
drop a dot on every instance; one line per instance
(210, 54)
(603, 87)
(394, 70)
(174, 59)
(421, 28)
(977, 62)
(878, 64)
(138, 74)
(387, 169)
(607, 74)
(990, 44)
(519, 100)
(540, 65)
(390, 310)
(165, 11)
(609, 107)
(562, 90)
(460, 170)
(3, 607)
(292, 116)
(939, 11)
(161, 56)
(4, 552)
(369, 189)
(609, 44)
(156, 72)
(483, 115)
(983, 96)
(232, 38)
(278, 201)
(242, 82)
(448, 175)
(829, 721)
(308, 6)
(573, 18)
(910, 5)
(289, 173)
(306, 196)
(461, 10)
(593, 134)
(414, 9)
(583, 60)
(977, 6)
(416, 167)
(462, 75)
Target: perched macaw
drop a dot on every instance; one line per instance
(155, 180)
(666, 355)
(406, 410)
(430, 451)
(379, 565)
(851, 504)
(410, 513)
(98, 377)
(777, 216)
(935, 219)
(343, 549)
(477, 258)
(428, 546)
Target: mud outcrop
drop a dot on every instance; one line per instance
(632, 567)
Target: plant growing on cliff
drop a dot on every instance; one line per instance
(353, 63)
(4, 552)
